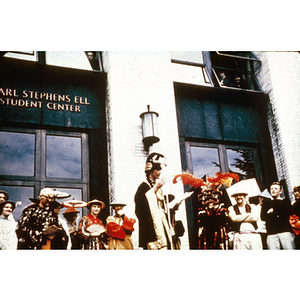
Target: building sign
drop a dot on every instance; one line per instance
(35, 99)
(51, 96)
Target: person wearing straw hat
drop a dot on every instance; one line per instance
(244, 217)
(71, 215)
(8, 237)
(39, 223)
(91, 230)
(119, 228)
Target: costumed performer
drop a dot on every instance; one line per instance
(119, 228)
(91, 229)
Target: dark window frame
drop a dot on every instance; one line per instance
(248, 72)
(223, 159)
(39, 180)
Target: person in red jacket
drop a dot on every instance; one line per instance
(119, 228)
(91, 230)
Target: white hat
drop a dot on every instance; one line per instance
(239, 192)
(47, 192)
(53, 193)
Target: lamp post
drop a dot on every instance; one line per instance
(149, 128)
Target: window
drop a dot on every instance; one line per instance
(235, 69)
(189, 66)
(207, 159)
(25, 55)
(33, 159)
(17, 151)
(84, 60)
(68, 163)
(188, 57)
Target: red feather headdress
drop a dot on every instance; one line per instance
(212, 182)
(189, 179)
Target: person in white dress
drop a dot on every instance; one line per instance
(8, 237)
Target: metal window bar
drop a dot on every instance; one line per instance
(239, 57)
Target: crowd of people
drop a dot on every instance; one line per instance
(265, 225)
(42, 227)
(273, 223)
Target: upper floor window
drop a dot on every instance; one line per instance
(188, 57)
(235, 69)
(85, 60)
(25, 55)
(189, 67)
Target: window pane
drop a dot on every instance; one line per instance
(188, 56)
(20, 195)
(205, 161)
(241, 162)
(25, 55)
(17, 153)
(63, 158)
(69, 59)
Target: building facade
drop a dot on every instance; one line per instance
(72, 121)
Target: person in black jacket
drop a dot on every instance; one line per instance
(154, 230)
(276, 213)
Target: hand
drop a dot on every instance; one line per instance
(72, 230)
(270, 210)
(120, 213)
(159, 183)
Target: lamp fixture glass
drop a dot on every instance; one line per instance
(149, 127)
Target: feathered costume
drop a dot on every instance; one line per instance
(212, 215)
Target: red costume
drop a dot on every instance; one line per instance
(89, 225)
(119, 229)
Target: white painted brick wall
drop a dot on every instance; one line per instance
(279, 78)
(135, 80)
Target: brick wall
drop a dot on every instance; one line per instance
(135, 80)
(279, 77)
